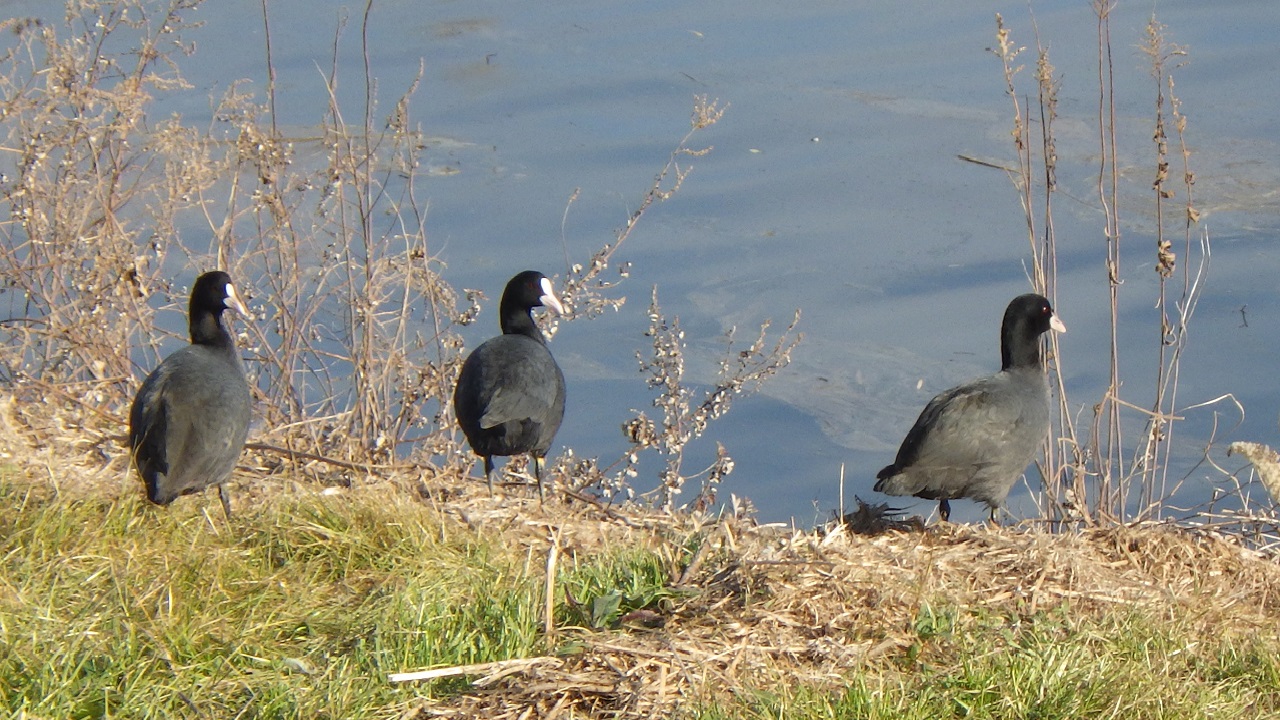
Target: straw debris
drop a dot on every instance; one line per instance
(772, 606)
(745, 606)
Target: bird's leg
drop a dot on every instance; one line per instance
(488, 472)
(226, 501)
(944, 509)
(537, 474)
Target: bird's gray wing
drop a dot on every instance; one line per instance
(527, 392)
(959, 427)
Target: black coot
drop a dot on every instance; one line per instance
(973, 441)
(510, 393)
(190, 418)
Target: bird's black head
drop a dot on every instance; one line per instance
(210, 296)
(1025, 320)
(528, 290)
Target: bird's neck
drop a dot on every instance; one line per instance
(207, 329)
(1025, 354)
(521, 323)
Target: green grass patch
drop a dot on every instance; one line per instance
(305, 604)
(121, 609)
(1050, 667)
(608, 588)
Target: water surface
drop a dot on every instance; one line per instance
(833, 187)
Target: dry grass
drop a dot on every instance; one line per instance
(349, 562)
(1109, 458)
(355, 345)
(781, 609)
(731, 609)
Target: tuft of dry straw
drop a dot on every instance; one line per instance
(760, 606)
(767, 605)
(1265, 461)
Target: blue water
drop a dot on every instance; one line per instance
(833, 187)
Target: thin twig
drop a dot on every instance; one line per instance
(476, 669)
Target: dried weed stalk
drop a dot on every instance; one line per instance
(85, 163)
(338, 241)
(1125, 484)
(325, 235)
(354, 349)
(585, 289)
(685, 416)
(585, 294)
